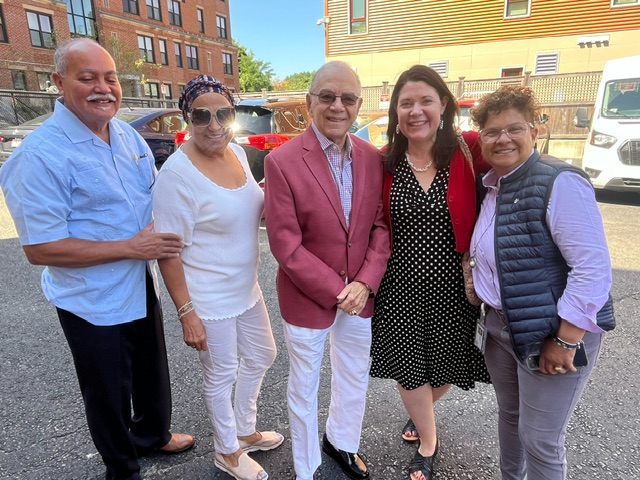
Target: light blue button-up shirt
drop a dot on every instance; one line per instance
(65, 182)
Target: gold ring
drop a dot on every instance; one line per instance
(558, 369)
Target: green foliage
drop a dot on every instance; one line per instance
(255, 74)
(298, 81)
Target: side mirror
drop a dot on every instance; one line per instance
(581, 120)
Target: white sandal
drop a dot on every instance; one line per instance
(268, 441)
(247, 469)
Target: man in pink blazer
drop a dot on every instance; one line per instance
(323, 208)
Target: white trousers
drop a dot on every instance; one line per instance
(241, 350)
(350, 343)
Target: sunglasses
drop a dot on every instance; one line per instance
(201, 117)
(347, 99)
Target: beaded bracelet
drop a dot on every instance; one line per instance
(184, 309)
(566, 345)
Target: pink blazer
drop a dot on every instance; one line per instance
(308, 233)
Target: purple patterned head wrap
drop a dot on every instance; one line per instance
(198, 86)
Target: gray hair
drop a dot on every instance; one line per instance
(334, 65)
(60, 56)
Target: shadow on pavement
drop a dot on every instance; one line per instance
(618, 198)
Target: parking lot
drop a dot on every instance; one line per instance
(44, 434)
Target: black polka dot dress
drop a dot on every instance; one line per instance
(423, 327)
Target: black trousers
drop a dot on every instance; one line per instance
(120, 366)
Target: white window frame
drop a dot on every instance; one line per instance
(632, 3)
(549, 55)
(506, 8)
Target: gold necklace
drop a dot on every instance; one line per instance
(417, 169)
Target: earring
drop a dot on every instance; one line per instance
(397, 129)
(441, 124)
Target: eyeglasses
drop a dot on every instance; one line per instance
(201, 117)
(515, 131)
(347, 99)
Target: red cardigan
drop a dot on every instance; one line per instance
(461, 194)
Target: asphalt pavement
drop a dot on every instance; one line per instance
(44, 434)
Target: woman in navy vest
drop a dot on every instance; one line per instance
(542, 268)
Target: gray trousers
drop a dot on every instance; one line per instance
(534, 408)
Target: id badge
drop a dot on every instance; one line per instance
(480, 340)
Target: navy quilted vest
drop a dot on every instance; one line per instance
(531, 269)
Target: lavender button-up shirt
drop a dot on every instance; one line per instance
(576, 226)
(341, 169)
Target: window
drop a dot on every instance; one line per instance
(3, 29)
(547, 63)
(44, 81)
(512, 72)
(200, 14)
(130, 6)
(192, 57)
(82, 20)
(226, 64)
(145, 45)
(166, 90)
(517, 8)
(174, 13)
(164, 60)
(358, 12)
(153, 10)
(151, 89)
(221, 23)
(19, 80)
(40, 30)
(441, 67)
(622, 3)
(178, 49)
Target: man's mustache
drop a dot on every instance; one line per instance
(94, 97)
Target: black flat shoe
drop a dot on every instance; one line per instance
(347, 461)
(423, 464)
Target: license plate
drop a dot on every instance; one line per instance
(15, 142)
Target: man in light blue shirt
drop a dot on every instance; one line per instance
(78, 189)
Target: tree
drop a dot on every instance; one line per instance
(255, 74)
(298, 81)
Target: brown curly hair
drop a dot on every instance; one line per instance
(517, 97)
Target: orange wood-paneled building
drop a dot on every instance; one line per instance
(479, 38)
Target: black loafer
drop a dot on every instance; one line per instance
(346, 460)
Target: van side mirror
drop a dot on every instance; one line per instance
(581, 120)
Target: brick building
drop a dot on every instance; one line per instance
(158, 45)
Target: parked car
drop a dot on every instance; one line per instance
(157, 126)
(262, 125)
(375, 131)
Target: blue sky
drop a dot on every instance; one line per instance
(281, 32)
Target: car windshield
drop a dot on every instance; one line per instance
(38, 120)
(128, 116)
(252, 120)
(622, 98)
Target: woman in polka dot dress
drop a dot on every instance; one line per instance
(423, 325)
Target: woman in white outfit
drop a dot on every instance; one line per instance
(206, 193)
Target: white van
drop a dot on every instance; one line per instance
(611, 155)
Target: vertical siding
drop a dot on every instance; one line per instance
(406, 24)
